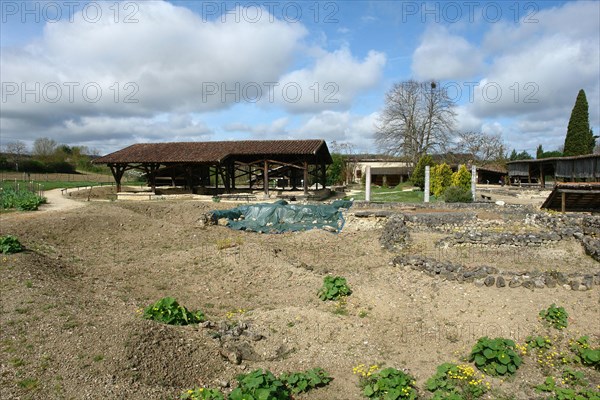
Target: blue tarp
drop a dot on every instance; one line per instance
(283, 217)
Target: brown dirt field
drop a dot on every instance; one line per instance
(70, 328)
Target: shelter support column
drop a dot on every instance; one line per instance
(227, 178)
(305, 182)
(266, 178)
(117, 171)
(151, 171)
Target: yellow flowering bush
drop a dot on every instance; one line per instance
(457, 382)
(201, 394)
(388, 383)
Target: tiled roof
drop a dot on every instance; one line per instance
(209, 152)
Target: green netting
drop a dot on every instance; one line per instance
(283, 217)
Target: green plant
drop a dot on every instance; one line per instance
(441, 178)
(460, 382)
(168, 311)
(333, 288)
(10, 244)
(457, 194)
(555, 316)
(538, 342)
(418, 174)
(23, 200)
(299, 382)
(28, 383)
(573, 378)
(388, 383)
(573, 394)
(584, 353)
(259, 385)
(201, 394)
(495, 356)
(543, 349)
(550, 386)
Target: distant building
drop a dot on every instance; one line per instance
(385, 170)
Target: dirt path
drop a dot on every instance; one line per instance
(56, 202)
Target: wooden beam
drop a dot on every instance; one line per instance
(563, 202)
(575, 191)
(305, 183)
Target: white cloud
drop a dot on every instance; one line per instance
(333, 81)
(541, 66)
(277, 128)
(442, 55)
(110, 79)
(342, 127)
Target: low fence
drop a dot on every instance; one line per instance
(53, 177)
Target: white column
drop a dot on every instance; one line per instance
(473, 180)
(426, 198)
(368, 183)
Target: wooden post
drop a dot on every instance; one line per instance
(117, 172)
(266, 178)
(232, 175)
(293, 174)
(305, 183)
(227, 178)
(542, 178)
(250, 176)
(563, 202)
(217, 179)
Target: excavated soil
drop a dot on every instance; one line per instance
(69, 305)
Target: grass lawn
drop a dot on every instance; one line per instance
(395, 194)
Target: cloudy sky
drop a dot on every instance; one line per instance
(109, 74)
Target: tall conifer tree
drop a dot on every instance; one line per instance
(579, 137)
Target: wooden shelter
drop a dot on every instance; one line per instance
(571, 169)
(574, 196)
(202, 163)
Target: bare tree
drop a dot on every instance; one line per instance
(44, 148)
(347, 151)
(481, 147)
(17, 149)
(418, 118)
(597, 149)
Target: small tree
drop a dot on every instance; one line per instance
(539, 152)
(418, 175)
(441, 179)
(462, 178)
(17, 149)
(335, 172)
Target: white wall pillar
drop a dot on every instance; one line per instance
(426, 197)
(473, 180)
(368, 183)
